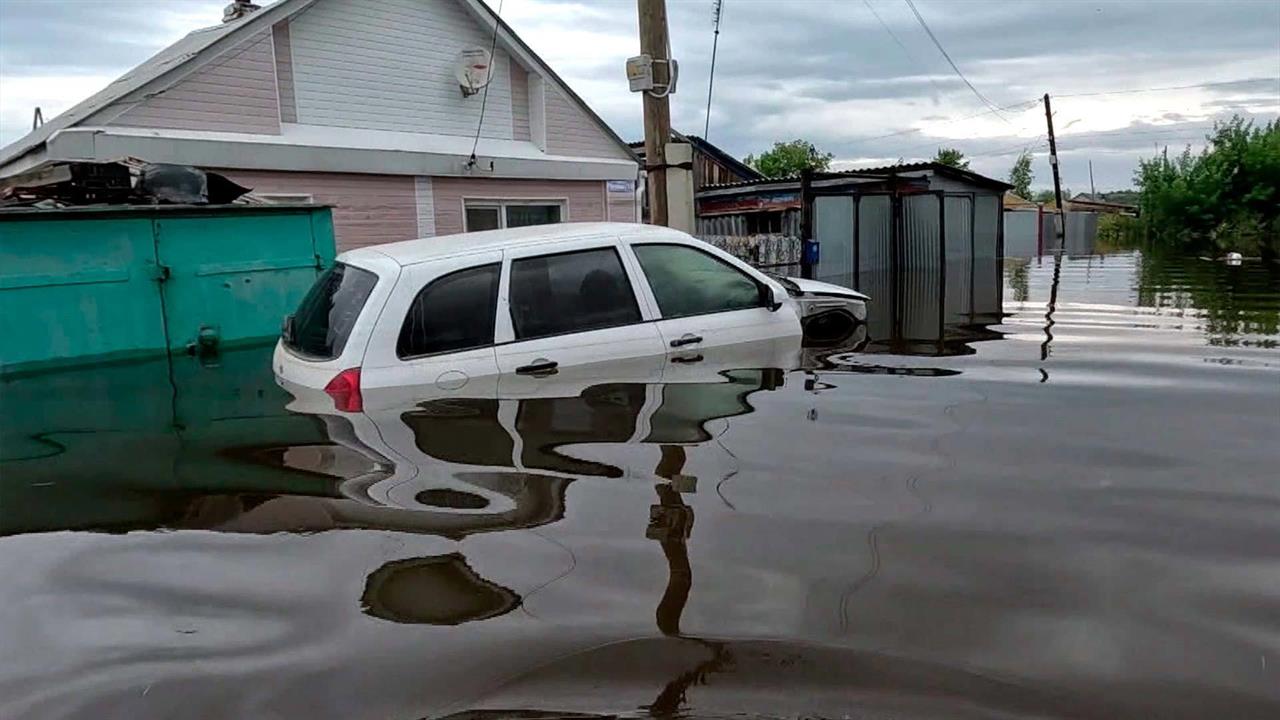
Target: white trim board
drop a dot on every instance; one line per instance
(424, 199)
(269, 152)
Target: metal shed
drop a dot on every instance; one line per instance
(91, 283)
(884, 231)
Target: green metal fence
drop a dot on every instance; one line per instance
(87, 284)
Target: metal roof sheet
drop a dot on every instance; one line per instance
(884, 171)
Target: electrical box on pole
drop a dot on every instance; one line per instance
(653, 73)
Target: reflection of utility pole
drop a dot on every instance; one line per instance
(1048, 315)
(671, 523)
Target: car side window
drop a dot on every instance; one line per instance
(451, 313)
(570, 292)
(686, 281)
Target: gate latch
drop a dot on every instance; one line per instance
(162, 272)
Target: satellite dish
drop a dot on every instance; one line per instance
(472, 70)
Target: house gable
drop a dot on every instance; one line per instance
(571, 131)
(389, 65)
(234, 92)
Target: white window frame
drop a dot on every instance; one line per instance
(501, 204)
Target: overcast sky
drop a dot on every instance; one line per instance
(837, 72)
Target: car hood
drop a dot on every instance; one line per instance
(815, 287)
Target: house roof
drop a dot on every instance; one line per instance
(883, 172)
(212, 40)
(705, 146)
(168, 60)
(1013, 200)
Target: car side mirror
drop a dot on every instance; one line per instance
(771, 297)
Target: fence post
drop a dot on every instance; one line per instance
(808, 246)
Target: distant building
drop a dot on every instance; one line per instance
(356, 104)
(772, 205)
(711, 165)
(923, 240)
(1085, 202)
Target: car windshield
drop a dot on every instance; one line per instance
(787, 283)
(320, 327)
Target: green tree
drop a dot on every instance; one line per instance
(787, 159)
(1020, 176)
(952, 157)
(1048, 199)
(1225, 198)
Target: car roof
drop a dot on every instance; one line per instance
(410, 252)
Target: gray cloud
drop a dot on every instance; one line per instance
(57, 36)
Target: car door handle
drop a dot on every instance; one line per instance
(687, 358)
(539, 368)
(686, 339)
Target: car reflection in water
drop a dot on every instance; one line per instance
(499, 454)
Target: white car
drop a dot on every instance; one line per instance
(535, 301)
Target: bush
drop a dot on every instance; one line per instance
(1226, 198)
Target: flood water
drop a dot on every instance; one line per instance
(1072, 510)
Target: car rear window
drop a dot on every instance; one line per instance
(320, 327)
(452, 313)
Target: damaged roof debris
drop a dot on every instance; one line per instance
(128, 181)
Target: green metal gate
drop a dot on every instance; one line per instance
(88, 284)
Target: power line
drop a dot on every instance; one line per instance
(1167, 87)
(484, 100)
(717, 13)
(919, 65)
(1029, 103)
(952, 63)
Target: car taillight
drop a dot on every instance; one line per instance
(344, 388)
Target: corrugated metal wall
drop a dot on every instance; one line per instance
(919, 270)
(988, 286)
(833, 225)
(874, 261)
(921, 232)
(958, 227)
(1021, 233)
(875, 233)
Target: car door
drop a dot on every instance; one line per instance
(436, 332)
(571, 310)
(708, 304)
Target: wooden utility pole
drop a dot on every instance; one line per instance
(657, 110)
(1060, 227)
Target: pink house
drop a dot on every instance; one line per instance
(355, 103)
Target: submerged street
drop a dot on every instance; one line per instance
(1070, 512)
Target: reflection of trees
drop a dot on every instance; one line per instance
(1017, 272)
(1234, 300)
